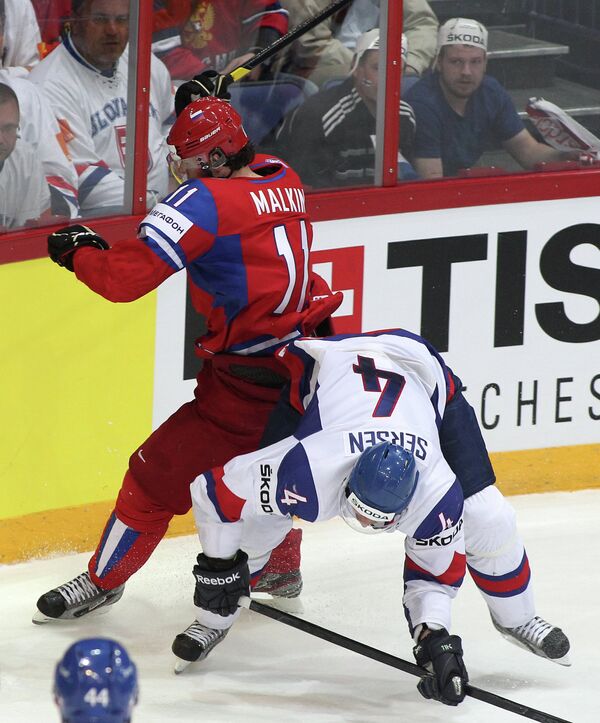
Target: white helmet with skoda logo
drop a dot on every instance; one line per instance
(379, 488)
(462, 31)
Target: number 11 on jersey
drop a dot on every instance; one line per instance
(284, 248)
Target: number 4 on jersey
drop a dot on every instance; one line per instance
(291, 498)
(371, 376)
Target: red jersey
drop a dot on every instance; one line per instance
(216, 32)
(244, 242)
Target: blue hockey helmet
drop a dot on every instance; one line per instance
(95, 682)
(379, 488)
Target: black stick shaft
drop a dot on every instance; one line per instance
(394, 662)
(286, 39)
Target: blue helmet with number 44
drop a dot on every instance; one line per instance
(95, 682)
(379, 488)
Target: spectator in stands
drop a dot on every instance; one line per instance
(330, 138)
(24, 194)
(19, 37)
(420, 25)
(462, 112)
(326, 51)
(220, 35)
(53, 15)
(167, 23)
(85, 81)
(39, 129)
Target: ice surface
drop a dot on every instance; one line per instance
(268, 672)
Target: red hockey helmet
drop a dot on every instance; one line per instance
(207, 125)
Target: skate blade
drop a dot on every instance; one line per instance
(565, 660)
(180, 665)
(39, 618)
(285, 604)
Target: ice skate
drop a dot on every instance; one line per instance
(280, 584)
(74, 599)
(194, 644)
(281, 581)
(539, 637)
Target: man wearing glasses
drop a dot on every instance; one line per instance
(24, 193)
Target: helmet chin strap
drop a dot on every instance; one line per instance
(216, 159)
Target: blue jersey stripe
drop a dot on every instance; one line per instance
(90, 182)
(199, 207)
(163, 247)
(310, 421)
(221, 272)
(212, 495)
(126, 542)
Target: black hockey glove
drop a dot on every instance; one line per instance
(441, 654)
(209, 83)
(63, 244)
(221, 583)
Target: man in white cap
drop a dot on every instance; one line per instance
(330, 138)
(462, 112)
(326, 51)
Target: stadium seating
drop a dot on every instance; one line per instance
(263, 104)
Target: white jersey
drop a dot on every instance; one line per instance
(21, 38)
(354, 392)
(39, 129)
(24, 193)
(91, 106)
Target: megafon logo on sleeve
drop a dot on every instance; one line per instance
(342, 269)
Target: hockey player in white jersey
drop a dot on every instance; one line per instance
(85, 81)
(383, 437)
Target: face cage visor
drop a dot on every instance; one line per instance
(364, 519)
(199, 166)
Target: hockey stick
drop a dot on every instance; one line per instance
(243, 70)
(391, 660)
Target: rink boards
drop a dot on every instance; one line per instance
(510, 295)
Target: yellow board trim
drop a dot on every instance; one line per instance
(65, 531)
(76, 529)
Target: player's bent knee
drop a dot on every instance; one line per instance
(490, 523)
(138, 510)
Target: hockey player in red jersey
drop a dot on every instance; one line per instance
(238, 225)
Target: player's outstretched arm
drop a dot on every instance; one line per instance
(441, 655)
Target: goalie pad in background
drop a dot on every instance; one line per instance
(561, 131)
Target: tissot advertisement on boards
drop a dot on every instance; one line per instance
(509, 294)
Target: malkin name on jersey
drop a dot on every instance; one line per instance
(278, 200)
